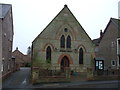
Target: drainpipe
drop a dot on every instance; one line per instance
(118, 53)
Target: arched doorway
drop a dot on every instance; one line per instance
(64, 63)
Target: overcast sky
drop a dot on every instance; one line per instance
(30, 17)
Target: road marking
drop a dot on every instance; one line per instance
(24, 82)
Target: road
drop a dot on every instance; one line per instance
(21, 80)
(18, 79)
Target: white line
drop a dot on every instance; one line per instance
(24, 82)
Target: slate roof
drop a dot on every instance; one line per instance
(116, 23)
(4, 8)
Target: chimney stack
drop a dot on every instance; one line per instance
(16, 48)
(101, 34)
(65, 5)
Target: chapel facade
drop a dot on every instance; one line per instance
(64, 44)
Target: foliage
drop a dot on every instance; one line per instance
(41, 63)
(48, 61)
(29, 50)
(92, 61)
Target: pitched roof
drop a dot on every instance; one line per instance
(116, 23)
(17, 51)
(56, 17)
(4, 8)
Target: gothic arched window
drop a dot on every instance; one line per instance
(62, 41)
(48, 54)
(68, 45)
(81, 56)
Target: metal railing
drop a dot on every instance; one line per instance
(111, 72)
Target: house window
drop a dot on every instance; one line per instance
(118, 46)
(113, 63)
(81, 56)
(62, 42)
(9, 65)
(119, 59)
(2, 67)
(68, 42)
(119, 41)
(48, 54)
(113, 44)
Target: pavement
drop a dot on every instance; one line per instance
(21, 80)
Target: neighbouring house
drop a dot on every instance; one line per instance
(21, 60)
(63, 44)
(107, 49)
(6, 40)
(27, 60)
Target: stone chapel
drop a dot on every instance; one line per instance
(64, 44)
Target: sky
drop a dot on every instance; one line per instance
(30, 17)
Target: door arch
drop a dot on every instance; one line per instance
(64, 63)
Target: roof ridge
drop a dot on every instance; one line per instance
(5, 4)
(116, 22)
(115, 19)
(18, 51)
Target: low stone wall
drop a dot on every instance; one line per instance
(45, 75)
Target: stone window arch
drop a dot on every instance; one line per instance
(62, 41)
(81, 56)
(68, 42)
(48, 54)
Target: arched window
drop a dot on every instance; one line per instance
(81, 56)
(48, 54)
(62, 42)
(68, 45)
